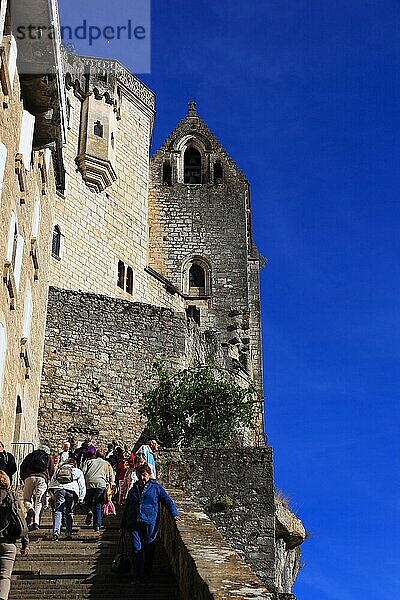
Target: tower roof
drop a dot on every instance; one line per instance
(193, 126)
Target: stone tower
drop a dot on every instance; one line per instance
(201, 238)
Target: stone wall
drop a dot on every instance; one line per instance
(205, 564)
(266, 534)
(246, 477)
(98, 360)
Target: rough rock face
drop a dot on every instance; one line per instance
(287, 566)
(289, 534)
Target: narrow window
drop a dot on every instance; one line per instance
(27, 315)
(112, 141)
(15, 249)
(26, 138)
(121, 275)
(98, 129)
(2, 356)
(218, 174)
(14, 246)
(17, 266)
(193, 313)
(12, 60)
(3, 158)
(69, 108)
(18, 420)
(56, 242)
(129, 280)
(36, 220)
(192, 166)
(167, 173)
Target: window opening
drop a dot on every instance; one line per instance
(98, 129)
(192, 166)
(167, 173)
(218, 174)
(56, 242)
(129, 280)
(121, 275)
(193, 313)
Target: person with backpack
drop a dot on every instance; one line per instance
(12, 528)
(98, 476)
(68, 487)
(7, 462)
(36, 470)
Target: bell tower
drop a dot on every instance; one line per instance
(201, 239)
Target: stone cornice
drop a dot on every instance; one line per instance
(86, 75)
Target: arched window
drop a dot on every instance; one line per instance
(218, 173)
(192, 165)
(167, 173)
(121, 275)
(2, 356)
(196, 277)
(56, 242)
(129, 280)
(98, 129)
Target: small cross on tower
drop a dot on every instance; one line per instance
(192, 111)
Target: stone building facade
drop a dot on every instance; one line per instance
(112, 260)
(84, 209)
(28, 196)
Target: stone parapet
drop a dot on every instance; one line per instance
(205, 565)
(244, 478)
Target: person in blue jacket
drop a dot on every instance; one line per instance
(140, 518)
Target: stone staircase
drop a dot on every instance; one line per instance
(80, 569)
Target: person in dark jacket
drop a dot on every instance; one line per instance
(140, 518)
(36, 470)
(9, 508)
(7, 462)
(84, 452)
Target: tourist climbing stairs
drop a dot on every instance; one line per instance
(81, 568)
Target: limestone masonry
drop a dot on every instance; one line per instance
(112, 260)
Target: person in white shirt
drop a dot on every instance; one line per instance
(68, 487)
(66, 453)
(147, 451)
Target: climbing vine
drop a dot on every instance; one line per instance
(197, 407)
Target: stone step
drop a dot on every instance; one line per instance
(80, 569)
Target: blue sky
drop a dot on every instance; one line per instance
(305, 96)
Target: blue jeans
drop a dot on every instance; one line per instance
(94, 504)
(143, 550)
(64, 505)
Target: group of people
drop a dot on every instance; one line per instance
(87, 476)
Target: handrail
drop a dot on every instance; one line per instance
(20, 450)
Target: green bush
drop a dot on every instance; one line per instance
(197, 407)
